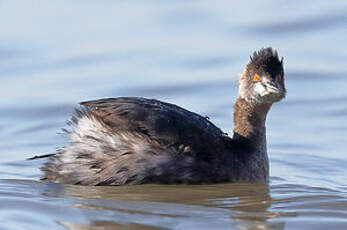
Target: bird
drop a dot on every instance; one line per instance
(135, 140)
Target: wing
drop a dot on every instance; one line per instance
(166, 123)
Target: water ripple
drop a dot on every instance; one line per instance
(303, 25)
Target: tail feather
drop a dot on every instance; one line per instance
(41, 156)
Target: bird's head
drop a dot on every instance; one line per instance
(263, 78)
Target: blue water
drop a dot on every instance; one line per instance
(55, 54)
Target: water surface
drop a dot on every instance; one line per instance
(190, 53)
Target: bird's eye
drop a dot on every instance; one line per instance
(256, 78)
(279, 78)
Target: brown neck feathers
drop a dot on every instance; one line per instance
(249, 121)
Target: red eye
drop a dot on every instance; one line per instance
(256, 78)
(279, 78)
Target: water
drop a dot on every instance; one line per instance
(54, 54)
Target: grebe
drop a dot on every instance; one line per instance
(132, 140)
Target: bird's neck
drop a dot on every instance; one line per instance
(249, 124)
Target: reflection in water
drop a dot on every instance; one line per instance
(108, 225)
(251, 203)
(243, 205)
